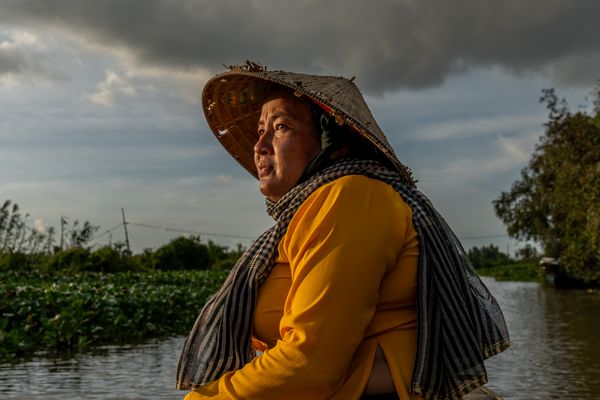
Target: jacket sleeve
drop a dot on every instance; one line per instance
(339, 245)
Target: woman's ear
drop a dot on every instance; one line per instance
(331, 132)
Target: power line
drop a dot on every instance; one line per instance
(225, 235)
(484, 237)
(107, 231)
(132, 238)
(165, 228)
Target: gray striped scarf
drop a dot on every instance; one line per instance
(459, 322)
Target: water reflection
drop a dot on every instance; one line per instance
(109, 373)
(554, 355)
(554, 352)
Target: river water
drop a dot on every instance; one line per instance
(555, 354)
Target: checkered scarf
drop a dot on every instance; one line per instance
(459, 322)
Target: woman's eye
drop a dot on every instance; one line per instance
(261, 131)
(279, 127)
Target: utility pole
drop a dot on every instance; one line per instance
(63, 222)
(126, 235)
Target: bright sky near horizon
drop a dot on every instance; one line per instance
(99, 101)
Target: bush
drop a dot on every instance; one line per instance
(108, 259)
(77, 259)
(70, 260)
(14, 261)
(182, 253)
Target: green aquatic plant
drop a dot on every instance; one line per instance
(43, 311)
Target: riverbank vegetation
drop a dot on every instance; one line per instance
(490, 261)
(45, 311)
(513, 271)
(62, 294)
(556, 201)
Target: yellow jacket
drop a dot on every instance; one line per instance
(344, 283)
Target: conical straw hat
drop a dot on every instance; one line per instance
(232, 103)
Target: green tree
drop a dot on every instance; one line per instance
(21, 246)
(528, 253)
(75, 236)
(24, 247)
(74, 259)
(182, 253)
(223, 257)
(556, 202)
(487, 256)
(15, 235)
(111, 259)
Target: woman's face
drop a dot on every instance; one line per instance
(286, 145)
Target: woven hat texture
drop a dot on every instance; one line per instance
(232, 104)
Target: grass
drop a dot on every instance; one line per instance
(515, 271)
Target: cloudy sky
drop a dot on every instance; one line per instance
(99, 100)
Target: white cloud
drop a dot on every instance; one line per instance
(9, 80)
(39, 225)
(185, 84)
(112, 86)
(27, 38)
(475, 127)
(518, 150)
(224, 179)
(503, 155)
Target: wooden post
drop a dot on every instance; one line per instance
(126, 235)
(63, 222)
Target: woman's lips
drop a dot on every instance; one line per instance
(264, 169)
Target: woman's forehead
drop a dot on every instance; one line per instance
(283, 101)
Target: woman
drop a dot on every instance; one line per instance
(360, 289)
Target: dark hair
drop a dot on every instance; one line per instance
(344, 136)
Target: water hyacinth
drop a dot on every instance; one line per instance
(65, 312)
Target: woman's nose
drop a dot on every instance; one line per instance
(263, 144)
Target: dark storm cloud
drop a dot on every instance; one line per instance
(15, 60)
(386, 44)
(11, 60)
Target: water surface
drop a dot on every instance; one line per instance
(555, 354)
(142, 371)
